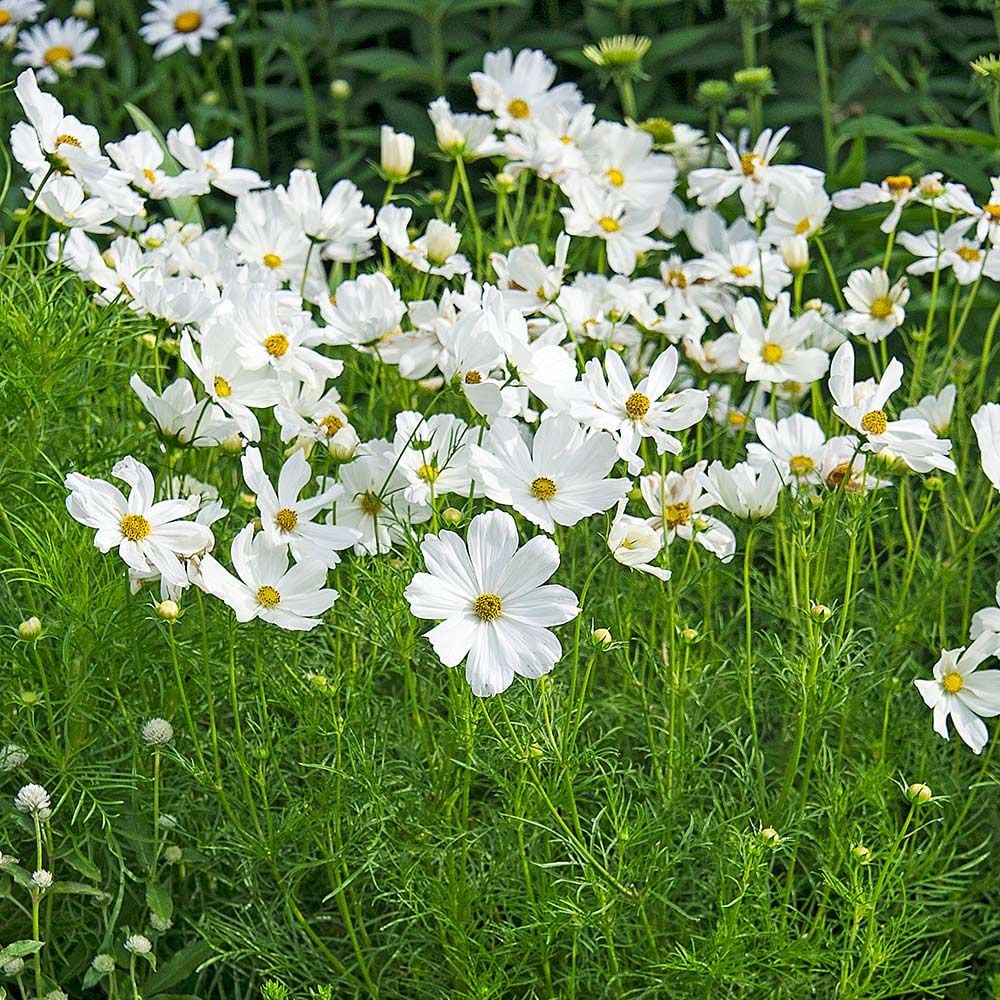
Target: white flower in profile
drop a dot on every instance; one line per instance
(986, 619)
(266, 588)
(140, 157)
(793, 447)
(175, 24)
(897, 189)
(310, 413)
(778, 352)
(341, 221)
(58, 47)
(630, 412)
(65, 201)
(962, 693)
(215, 164)
(470, 137)
(435, 252)
(635, 544)
(986, 424)
(287, 520)
(936, 410)
(876, 309)
(493, 603)
(936, 251)
(150, 535)
(560, 478)
(799, 210)
(433, 455)
(180, 417)
(743, 490)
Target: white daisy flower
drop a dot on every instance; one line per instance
(140, 158)
(898, 190)
(744, 490)
(635, 544)
(364, 309)
(215, 164)
(341, 221)
(470, 137)
(58, 47)
(175, 24)
(622, 162)
(936, 251)
(434, 252)
(936, 410)
(266, 587)
(149, 535)
(560, 478)
(793, 447)
(986, 424)
(182, 418)
(876, 309)
(310, 413)
(494, 605)
(962, 693)
(433, 456)
(777, 352)
(16, 13)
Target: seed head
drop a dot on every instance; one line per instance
(157, 732)
(713, 93)
(755, 81)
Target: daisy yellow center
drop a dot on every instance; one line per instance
(543, 488)
(286, 519)
(637, 405)
(899, 183)
(737, 419)
(331, 425)
(222, 387)
(968, 253)
(135, 527)
(149, 175)
(68, 140)
(874, 422)
(276, 345)
(187, 21)
(268, 597)
(370, 504)
(772, 353)
(953, 682)
(519, 108)
(740, 271)
(428, 473)
(565, 139)
(803, 227)
(749, 163)
(5, 17)
(57, 54)
(473, 378)
(801, 465)
(677, 513)
(608, 224)
(881, 307)
(615, 177)
(993, 211)
(272, 260)
(487, 607)
(677, 279)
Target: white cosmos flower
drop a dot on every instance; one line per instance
(433, 455)
(150, 536)
(745, 264)
(777, 352)
(622, 162)
(434, 252)
(64, 200)
(341, 221)
(182, 418)
(492, 601)
(962, 693)
(800, 210)
(743, 490)
(15, 13)
(635, 543)
(140, 158)
(470, 137)
(58, 47)
(876, 309)
(610, 402)
(560, 479)
(287, 520)
(362, 310)
(264, 233)
(174, 24)
(215, 164)
(897, 190)
(936, 251)
(986, 619)
(986, 424)
(936, 410)
(793, 447)
(266, 588)
(310, 413)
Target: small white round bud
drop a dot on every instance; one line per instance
(862, 854)
(12, 756)
(340, 90)
(795, 253)
(451, 515)
(30, 629)
(41, 880)
(157, 732)
(919, 793)
(34, 800)
(103, 963)
(232, 445)
(172, 854)
(168, 611)
(601, 638)
(138, 944)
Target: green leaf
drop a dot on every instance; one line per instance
(184, 208)
(83, 865)
(177, 968)
(77, 888)
(159, 902)
(19, 949)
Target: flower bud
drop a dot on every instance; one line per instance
(601, 638)
(442, 240)
(505, 182)
(232, 445)
(41, 880)
(396, 153)
(755, 81)
(713, 93)
(12, 756)
(862, 854)
(33, 800)
(436, 196)
(157, 733)
(172, 854)
(304, 164)
(451, 515)
(814, 305)
(168, 611)
(210, 99)
(138, 944)
(340, 90)
(795, 253)
(103, 963)
(84, 9)
(770, 836)
(689, 634)
(30, 629)
(919, 793)
(821, 612)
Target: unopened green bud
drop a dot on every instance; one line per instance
(754, 81)
(340, 90)
(30, 629)
(713, 93)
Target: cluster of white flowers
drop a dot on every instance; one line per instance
(582, 390)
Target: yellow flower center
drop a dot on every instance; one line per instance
(677, 279)
(749, 163)
(772, 353)
(615, 177)
(899, 183)
(428, 473)
(222, 387)
(187, 21)
(740, 271)
(370, 504)
(58, 54)
(519, 109)
(5, 18)
(487, 607)
(677, 513)
(736, 418)
(68, 140)
(803, 227)
(637, 405)
(968, 253)
(135, 527)
(801, 465)
(331, 425)
(543, 488)
(565, 139)
(993, 211)
(881, 307)
(286, 519)
(874, 422)
(953, 682)
(276, 345)
(149, 175)
(267, 597)
(608, 224)
(272, 260)
(473, 378)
